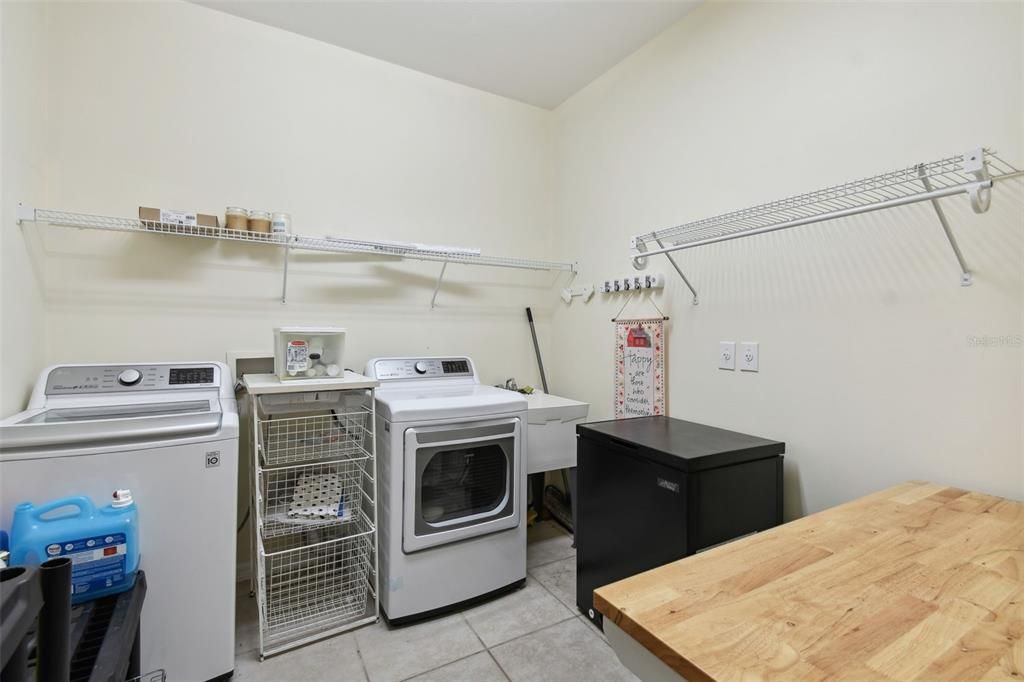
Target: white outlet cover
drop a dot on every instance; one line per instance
(727, 355)
(748, 356)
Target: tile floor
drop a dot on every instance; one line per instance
(535, 633)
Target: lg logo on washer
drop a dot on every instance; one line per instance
(213, 459)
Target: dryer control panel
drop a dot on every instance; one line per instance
(420, 368)
(120, 378)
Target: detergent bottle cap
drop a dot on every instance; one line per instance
(122, 498)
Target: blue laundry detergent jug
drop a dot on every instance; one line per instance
(103, 544)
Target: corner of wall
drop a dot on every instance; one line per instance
(23, 92)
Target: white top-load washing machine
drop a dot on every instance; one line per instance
(451, 486)
(168, 432)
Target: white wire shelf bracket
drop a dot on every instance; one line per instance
(292, 242)
(972, 173)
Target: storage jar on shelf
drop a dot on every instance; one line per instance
(259, 221)
(236, 219)
(281, 225)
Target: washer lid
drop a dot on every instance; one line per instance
(98, 412)
(407, 404)
(85, 425)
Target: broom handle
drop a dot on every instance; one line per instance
(536, 349)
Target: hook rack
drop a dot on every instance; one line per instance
(654, 280)
(972, 173)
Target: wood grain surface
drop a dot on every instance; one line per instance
(916, 582)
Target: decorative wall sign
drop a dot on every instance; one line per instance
(639, 367)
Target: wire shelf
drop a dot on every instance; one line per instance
(904, 185)
(307, 497)
(311, 588)
(294, 241)
(335, 435)
(120, 224)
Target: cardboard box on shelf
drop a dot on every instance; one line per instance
(177, 219)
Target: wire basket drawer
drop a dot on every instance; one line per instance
(312, 588)
(334, 435)
(305, 497)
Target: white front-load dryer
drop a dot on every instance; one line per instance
(169, 433)
(451, 486)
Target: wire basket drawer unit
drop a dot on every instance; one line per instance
(315, 508)
(305, 497)
(316, 582)
(336, 434)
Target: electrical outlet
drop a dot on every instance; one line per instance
(748, 356)
(727, 355)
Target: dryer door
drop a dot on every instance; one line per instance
(461, 481)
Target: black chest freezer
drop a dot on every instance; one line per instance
(652, 490)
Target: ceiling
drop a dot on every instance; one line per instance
(535, 51)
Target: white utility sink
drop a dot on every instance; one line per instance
(551, 431)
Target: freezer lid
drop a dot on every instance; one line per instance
(87, 425)
(681, 444)
(544, 407)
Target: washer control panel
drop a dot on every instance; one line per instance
(119, 378)
(420, 368)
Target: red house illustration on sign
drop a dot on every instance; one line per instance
(638, 338)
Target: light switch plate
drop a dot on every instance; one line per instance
(727, 355)
(748, 356)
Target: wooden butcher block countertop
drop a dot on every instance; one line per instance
(917, 582)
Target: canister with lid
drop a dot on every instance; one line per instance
(281, 225)
(236, 218)
(259, 221)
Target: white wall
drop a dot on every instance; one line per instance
(22, 156)
(175, 105)
(866, 368)
(867, 372)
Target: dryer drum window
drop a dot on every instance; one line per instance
(464, 482)
(463, 486)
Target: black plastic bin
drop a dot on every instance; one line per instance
(102, 636)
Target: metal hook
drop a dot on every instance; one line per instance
(980, 194)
